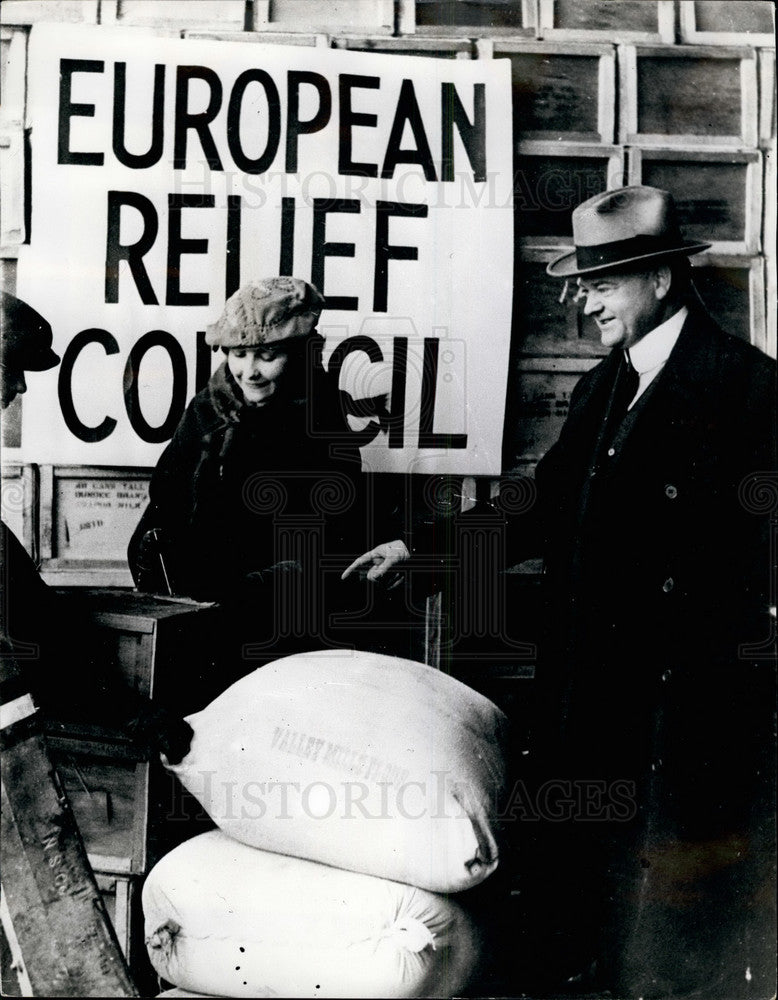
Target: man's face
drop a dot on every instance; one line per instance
(624, 306)
(12, 381)
(257, 370)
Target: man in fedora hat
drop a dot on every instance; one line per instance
(655, 684)
(25, 345)
(35, 630)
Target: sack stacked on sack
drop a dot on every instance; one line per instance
(358, 760)
(383, 769)
(234, 921)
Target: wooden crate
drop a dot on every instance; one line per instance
(721, 22)
(35, 11)
(718, 195)
(562, 92)
(87, 516)
(550, 179)
(463, 17)
(547, 322)
(604, 20)
(329, 16)
(129, 809)
(733, 290)
(539, 392)
(175, 14)
(688, 96)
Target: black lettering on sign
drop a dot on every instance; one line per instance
(408, 112)
(322, 249)
(429, 387)
(399, 377)
(203, 354)
(232, 266)
(144, 430)
(243, 162)
(65, 388)
(138, 161)
(294, 125)
(338, 356)
(472, 134)
(177, 245)
(348, 119)
(199, 122)
(384, 251)
(68, 110)
(286, 263)
(133, 253)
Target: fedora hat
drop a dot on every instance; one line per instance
(25, 336)
(620, 228)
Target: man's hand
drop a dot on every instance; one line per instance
(380, 560)
(157, 730)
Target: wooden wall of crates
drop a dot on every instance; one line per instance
(675, 93)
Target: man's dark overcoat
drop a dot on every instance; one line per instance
(657, 670)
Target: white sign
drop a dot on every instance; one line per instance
(166, 172)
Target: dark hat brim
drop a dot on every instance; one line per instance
(566, 265)
(40, 361)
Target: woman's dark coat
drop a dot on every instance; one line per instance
(242, 494)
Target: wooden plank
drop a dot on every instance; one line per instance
(253, 37)
(12, 228)
(15, 981)
(767, 100)
(439, 48)
(57, 915)
(46, 511)
(19, 504)
(13, 79)
(770, 223)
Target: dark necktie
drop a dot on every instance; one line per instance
(624, 390)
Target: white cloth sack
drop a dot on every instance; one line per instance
(233, 921)
(358, 760)
(177, 993)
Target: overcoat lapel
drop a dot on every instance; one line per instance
(683, 387)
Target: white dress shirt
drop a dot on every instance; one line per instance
(649, 355)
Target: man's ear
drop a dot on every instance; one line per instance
(663, 279)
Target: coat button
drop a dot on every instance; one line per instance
(668, 585)
(611, 452)
(671, 491)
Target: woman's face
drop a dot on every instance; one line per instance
(257, 370)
